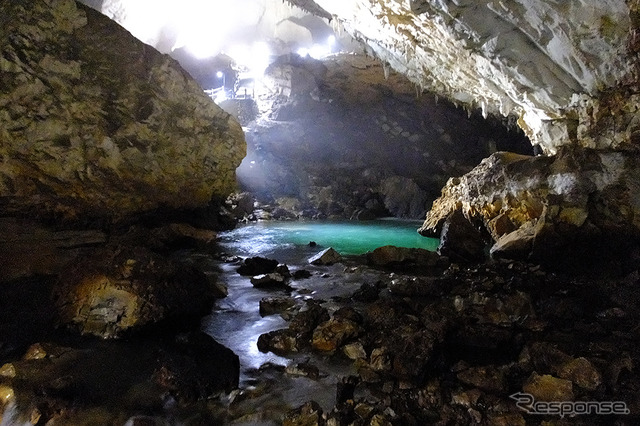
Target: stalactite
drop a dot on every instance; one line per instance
(337, 26)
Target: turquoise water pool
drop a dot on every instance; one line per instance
(347, 237)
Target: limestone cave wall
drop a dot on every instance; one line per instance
(564, 68)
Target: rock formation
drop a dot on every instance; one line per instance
(94, 123)
(567, 70)
(563, 68)
(346, 137)
(563, 206)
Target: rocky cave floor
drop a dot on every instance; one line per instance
(429, 343)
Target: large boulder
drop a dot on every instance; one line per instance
(580, 202)
(94, 123)
(118, 290)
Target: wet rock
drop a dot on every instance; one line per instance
(242, 204)
(196, 366)
(392, 256)
(120, 289)
(345, 389)
(275, 305)
(326, 257)
(8, 371)
(488, 378)
(7, 395)
(280, 342)
(413, 354)
(548, 200)
(303, 369)
(411, 286)
(348, 313)
(268, 280)
(380, 359)
(308, 319)
(309, 414)
(330, 335)
(283, 270)
(460, 240)
(354, 351)
(507, 419)
(546, 357)
(366, 293)
(257, 266)
(35, 351)
(300, 274)
(581, 372)
(548, 388)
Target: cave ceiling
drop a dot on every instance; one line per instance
(543, 61)
(567, 70)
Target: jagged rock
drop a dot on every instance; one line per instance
(283, 270)
(7, 396)
(8, 370)
(581, 372)
(581, 83)
(101, 125)
(300, 274)
(356, 144)
(280, 342)
(330, 335)
(303, 369)
(348, 313)
(548, 388)
(195, 366)
(308, 319)
(354, 351)
(403, 197)
(366, 293)
(184, 235)
(275, 305)
(380, 359)
(488, 378)
(120, 289)
(35, 351)
(309, 414)
(257, 266)
(417, 286)
(460, 241)
(28, 248)
(326, 257)
(268, 280)
(241, 204)
(392, 256)
(580, 200)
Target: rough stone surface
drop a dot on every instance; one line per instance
(119, 289)
(99, 124)
(345, 138)
(392, 256)
(567, 69)
(541, 206)
(327, 256)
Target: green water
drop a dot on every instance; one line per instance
(347, 237)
